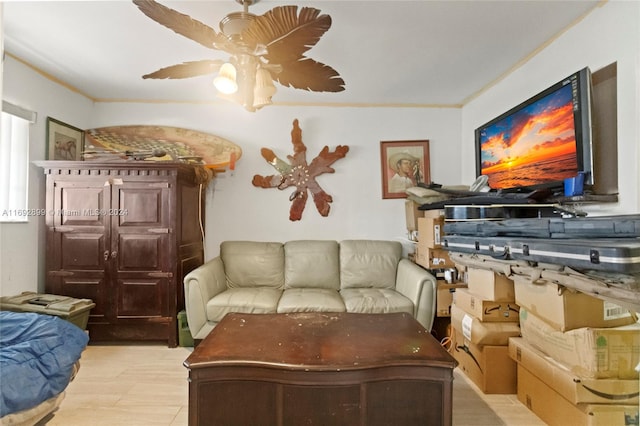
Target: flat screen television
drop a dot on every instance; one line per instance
(540, 142)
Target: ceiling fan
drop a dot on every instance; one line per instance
(262, 49)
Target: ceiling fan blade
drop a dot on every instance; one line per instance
(287, 34)
(311, 75)
(181, 23)
(187, 69)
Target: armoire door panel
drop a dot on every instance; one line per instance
(142, 297)
(142, 206)
(141, 252)
(83, 251)
(82, 204)
(87, 287)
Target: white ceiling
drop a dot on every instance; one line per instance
(388, 52)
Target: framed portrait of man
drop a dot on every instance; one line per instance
(404, 164)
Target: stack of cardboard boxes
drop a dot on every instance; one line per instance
(427, 228)
(483, 317)
(577, 357)
(429, 251)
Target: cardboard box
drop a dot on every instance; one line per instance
(431, 258)
(412, 214)
(593, 353)
(554, 410)
(567, 309)
(444, 297)
(489, 367)
(486, 310)
(483, 333)
(431, 231)
(434, 213)
(490, 285)
(573, 388)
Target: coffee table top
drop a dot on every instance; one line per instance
(319, 341)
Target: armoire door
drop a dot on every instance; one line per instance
(78, 243)
(142, 253)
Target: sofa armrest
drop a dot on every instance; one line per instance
(419, 286)
(200, 286)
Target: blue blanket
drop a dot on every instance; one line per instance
(37, 354)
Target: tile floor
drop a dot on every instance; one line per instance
(140, 385)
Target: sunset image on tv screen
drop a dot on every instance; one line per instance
(532, 146)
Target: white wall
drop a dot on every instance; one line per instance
(238, 210)
(22, 244)
(611, 33)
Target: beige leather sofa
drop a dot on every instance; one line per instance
(363, 276)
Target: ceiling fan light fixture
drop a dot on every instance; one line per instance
(259, 101)
(225, 81)
(264, 87)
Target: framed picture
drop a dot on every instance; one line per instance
(404, 164)
(64, 142)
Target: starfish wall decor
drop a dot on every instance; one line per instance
(300, 174)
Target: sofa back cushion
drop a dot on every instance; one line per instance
(311, 263)
(253, 263)
(369, 263)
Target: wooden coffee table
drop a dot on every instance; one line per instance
(320, 369)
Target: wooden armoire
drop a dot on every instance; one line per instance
(124, 234)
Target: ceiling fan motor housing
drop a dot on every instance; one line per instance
(235, 23)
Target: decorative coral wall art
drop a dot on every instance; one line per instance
(301, 175)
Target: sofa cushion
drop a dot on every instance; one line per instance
(257, 300)
(310, 300)
(311, 264)
(369, 263)
(375, 301)
(253, 263)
